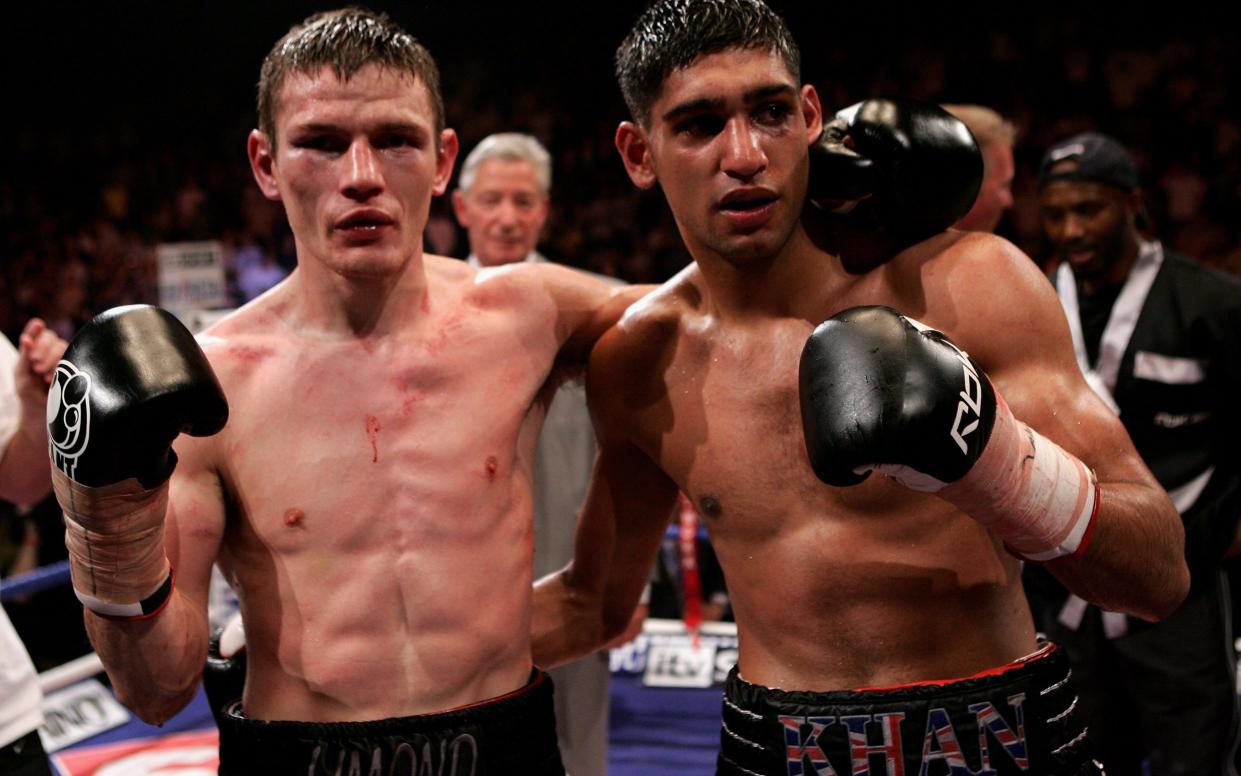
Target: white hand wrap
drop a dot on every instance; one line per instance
(1038, 498)
(115, 536)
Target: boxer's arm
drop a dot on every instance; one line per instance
(591, 601)
(586, 307)
(628, 504)
(1134, 561)
(155, 664)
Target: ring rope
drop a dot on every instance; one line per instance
(37, 581)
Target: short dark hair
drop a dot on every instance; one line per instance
(673, 34)
(346, 40)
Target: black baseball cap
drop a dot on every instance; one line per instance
(1099, 158)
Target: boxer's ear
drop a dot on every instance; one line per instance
(635, 152)
(261, 152)
(812, 113)
(445, 158)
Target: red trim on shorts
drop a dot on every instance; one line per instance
(1042, 651)
(537, 677)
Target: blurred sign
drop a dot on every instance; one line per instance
(77, 713)
(666, 655)
(191, 276)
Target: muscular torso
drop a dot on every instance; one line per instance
(833, 588)
(378, 505)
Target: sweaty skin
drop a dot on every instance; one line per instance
(379, 596)
(696, 389)
(370, 497)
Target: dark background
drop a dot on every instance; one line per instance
(126, 122)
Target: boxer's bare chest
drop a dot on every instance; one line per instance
(362, 440)
(735, 444)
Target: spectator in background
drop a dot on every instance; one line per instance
(255, 268)
(502, 202)
(995, 137)
(502, 197)
(1159, 338)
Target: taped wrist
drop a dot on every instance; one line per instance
(1038, 498)
(115, 537)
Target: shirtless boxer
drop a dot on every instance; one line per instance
(370, 496)
(842, 590)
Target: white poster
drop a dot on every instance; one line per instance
(191, 277)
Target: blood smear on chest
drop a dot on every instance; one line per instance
(372, 433)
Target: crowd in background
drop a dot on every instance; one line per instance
(84, 203)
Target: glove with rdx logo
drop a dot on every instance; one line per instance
(881, 392)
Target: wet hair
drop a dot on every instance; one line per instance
(672, 34)
(510, 147)
(346, 40)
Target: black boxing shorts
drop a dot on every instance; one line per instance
(515, 733)
(1017, 719)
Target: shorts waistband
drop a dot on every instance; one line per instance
(514, 732)
(1018, 718)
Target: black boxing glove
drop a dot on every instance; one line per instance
(906, 167)
(881, 392)
(130, 381)
(224, 676)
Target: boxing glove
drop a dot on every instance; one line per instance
(906, 167)
(881, 392)
(130, 381)
(224, 676)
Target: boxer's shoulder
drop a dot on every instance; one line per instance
(953, 247)
(510, 287)
(660, 318)
(251, 336)
(634, 354)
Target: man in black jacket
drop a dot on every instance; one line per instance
(1158, 336)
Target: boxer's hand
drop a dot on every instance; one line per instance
(881, 392)
(130, 382)
(907, 167)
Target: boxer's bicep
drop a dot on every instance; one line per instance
(587, 306)
(1134, 561)
(194, 528)
(1061, 406)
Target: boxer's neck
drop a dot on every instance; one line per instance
(784, 285)
(331, 305)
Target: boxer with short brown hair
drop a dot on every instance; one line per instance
(369, 497)
(845, 584)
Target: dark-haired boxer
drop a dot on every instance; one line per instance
(369, 497)
(882, 629)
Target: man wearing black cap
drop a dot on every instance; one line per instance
(1158, 337)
